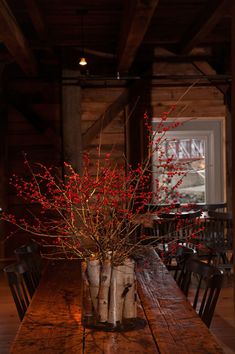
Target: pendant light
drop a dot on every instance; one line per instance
(82, 60)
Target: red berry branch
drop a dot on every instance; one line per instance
(85, 214)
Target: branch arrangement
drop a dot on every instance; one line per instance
(97, 215)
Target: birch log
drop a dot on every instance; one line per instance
(105, 278)
(116, 298)
(93, 272)
(87, 302)
(130, 304)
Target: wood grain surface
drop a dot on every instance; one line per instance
(174, 324)
(53, 321)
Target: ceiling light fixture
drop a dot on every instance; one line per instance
(82, 61)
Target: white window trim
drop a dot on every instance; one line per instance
(213, 131)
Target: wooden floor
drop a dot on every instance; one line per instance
(223, 324)
(9, 321)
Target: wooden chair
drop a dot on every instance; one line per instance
(149, 229)
(208, 282)
(21, 286)
(161, 207)
(210, 207)
(217, 239)
(175, 229)
(30, 254)
(176, 262)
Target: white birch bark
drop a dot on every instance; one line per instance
(116, 298)
(130, 303)
(93, 272)
(105, 278)
(87, 302)
(112, 290)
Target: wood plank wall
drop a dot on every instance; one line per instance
(199, 102)
(112, 139)
(194, 99)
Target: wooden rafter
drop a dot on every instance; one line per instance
(15, 41)
(39, 24)
(211, 15)
(137, 17)
(18, 102)
(37, 18)
(111, 112)
(207, 70)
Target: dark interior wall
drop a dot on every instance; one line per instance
(3, 154)
(33, 129)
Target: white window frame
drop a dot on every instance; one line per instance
(212, 130)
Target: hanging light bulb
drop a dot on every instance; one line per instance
(82, 61)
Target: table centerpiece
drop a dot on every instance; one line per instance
(97, 217)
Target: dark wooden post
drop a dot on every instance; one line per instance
(71, 119)
(233, 129)
(3, 156)
(136, 134)
(228, 152)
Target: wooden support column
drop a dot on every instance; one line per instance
(3, 157)
(233, 130)
(136, 135)
(228, 151)
(71, 120)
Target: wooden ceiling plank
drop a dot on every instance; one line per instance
(211, 15)
(137, 17)
(15, 41)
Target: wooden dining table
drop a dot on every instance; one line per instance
(52, 323)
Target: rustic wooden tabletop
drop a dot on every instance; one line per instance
(52, 323)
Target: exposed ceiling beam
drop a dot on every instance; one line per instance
(37, 18)
(15, 41)
(165, 55)
(137, 17)
(39, 24)
(97, 53)
(206, 69)
(207, 20)
(19, 102)
(110, 113)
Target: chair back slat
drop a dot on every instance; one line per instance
(206, 291)
(30, 254)
(221, 207)
(217, 238)
(16, 275)
(175, 228)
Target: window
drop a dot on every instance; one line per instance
(199, 146)
(189, 152)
